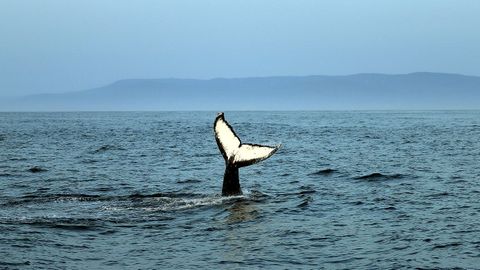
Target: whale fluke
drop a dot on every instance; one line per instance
(237, 154)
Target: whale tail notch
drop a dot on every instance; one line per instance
(237, 154)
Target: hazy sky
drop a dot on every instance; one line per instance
(58, 46)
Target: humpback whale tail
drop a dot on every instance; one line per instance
(236, 154)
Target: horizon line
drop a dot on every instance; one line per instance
(230, 111)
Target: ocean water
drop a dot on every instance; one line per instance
(141, 190)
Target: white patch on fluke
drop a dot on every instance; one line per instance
(227, 138)
(232, 148)
(248, 152)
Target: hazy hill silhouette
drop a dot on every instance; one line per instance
(422, 91)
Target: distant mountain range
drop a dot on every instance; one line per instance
(414, 91)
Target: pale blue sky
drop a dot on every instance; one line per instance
(58, 46)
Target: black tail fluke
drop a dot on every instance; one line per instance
(237, 154)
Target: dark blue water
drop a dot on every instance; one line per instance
(141, 190)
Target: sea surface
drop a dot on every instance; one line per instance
(142, 190)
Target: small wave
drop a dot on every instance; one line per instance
(447, 245)
(205, 155)
(255, 195)
(72, 227)
(304, 191)
(305, 202)
(74, 224)
(326, 171)
(379, 176)
(45, 198)
(213, 229)
(17, 159)
(438, 195)
(103, 189)
(89, 161)
(6, 263)
(308, 191)
(37, 169)
(162, 195)
(189, 181)
(107, 147)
